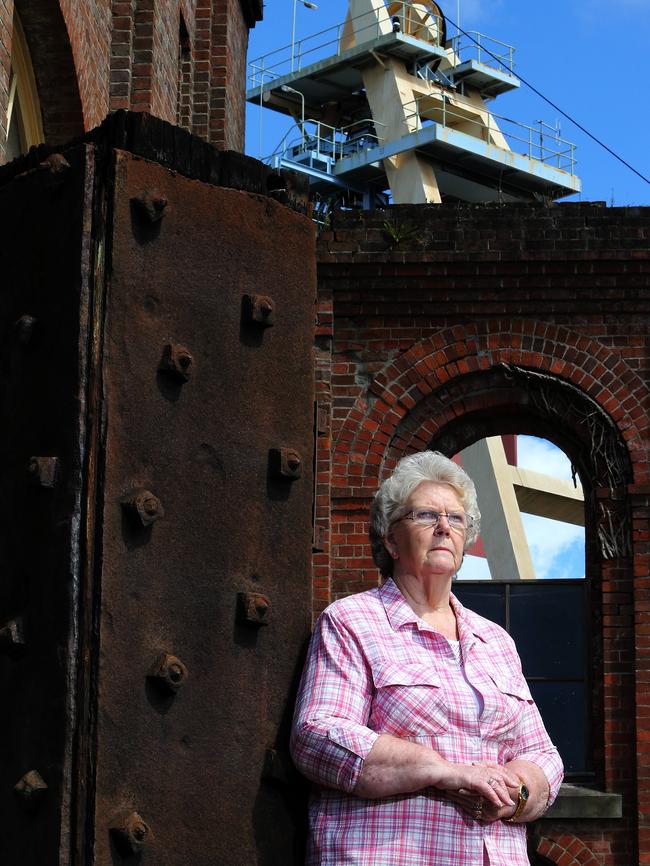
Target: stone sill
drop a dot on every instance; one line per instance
(576, 802)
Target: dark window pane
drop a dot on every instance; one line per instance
(564, 710)
(486, 599)
(547, 624)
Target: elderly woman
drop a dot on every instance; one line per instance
(413, 717)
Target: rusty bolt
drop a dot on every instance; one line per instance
(142, 506)
(30, 790)
(43, 471)
(130, 834)
(177, 362)
(55, 163)
(24, 328)
(169, 673)
(258, 310)
(12, 636)
(151, 205)
(286, 463)
(253, 608)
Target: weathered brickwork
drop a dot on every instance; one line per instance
(89, 29)
(181, 60)
(6, 15)
(229, 71)
(441, 325)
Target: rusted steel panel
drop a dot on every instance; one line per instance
(205, 537)
(46, 216)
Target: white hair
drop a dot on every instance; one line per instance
(393, 492)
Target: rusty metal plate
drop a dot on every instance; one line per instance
(191, 763)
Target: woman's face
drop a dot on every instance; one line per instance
(426, 550)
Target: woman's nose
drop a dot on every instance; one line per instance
(443, 529)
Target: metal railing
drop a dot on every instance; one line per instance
(542, 144)
(321, 145)
(484, 49)
(329, 43)
(325, 145)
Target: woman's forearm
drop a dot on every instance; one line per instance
(395, 766)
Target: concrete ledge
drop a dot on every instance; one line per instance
(575, 802)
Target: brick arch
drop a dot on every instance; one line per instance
(54, 69)
(461, 372)
(566, 850)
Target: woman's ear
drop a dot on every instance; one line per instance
(390, 545)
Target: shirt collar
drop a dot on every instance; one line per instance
(399, 613)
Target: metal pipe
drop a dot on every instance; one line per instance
(287, 89)
(308, 5)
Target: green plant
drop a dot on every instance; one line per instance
(398, 232)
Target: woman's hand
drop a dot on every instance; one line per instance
(488, 812)
(478, 787)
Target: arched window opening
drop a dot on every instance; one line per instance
(527, 573)
(24, 123)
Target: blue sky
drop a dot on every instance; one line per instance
(587, 56)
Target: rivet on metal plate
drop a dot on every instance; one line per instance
(30, 790)
(24, 329)
(151, 205)
(131, 833)
(285, 463)
(258, 310)
(168, 673)
(55, 163)
(12, 637)
(253, 608)
(177, 362)
(43, 471)
(142, 507)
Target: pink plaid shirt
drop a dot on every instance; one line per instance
(374, 667)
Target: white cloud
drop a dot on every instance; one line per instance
(557, 549)
(542, 456)
(474, 568)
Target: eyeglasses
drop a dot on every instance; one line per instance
(458, 521)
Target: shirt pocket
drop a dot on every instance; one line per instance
(409, 701)
(511, 699)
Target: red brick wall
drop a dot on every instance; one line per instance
(89, 32)
(6, 14)
(420, 308)
(229, 70)
(101, 55)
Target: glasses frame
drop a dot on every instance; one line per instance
(435, 523)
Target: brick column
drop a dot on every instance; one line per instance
(640, 506)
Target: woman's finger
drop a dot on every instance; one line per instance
(510, 778)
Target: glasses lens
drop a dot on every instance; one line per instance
(458, 520)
